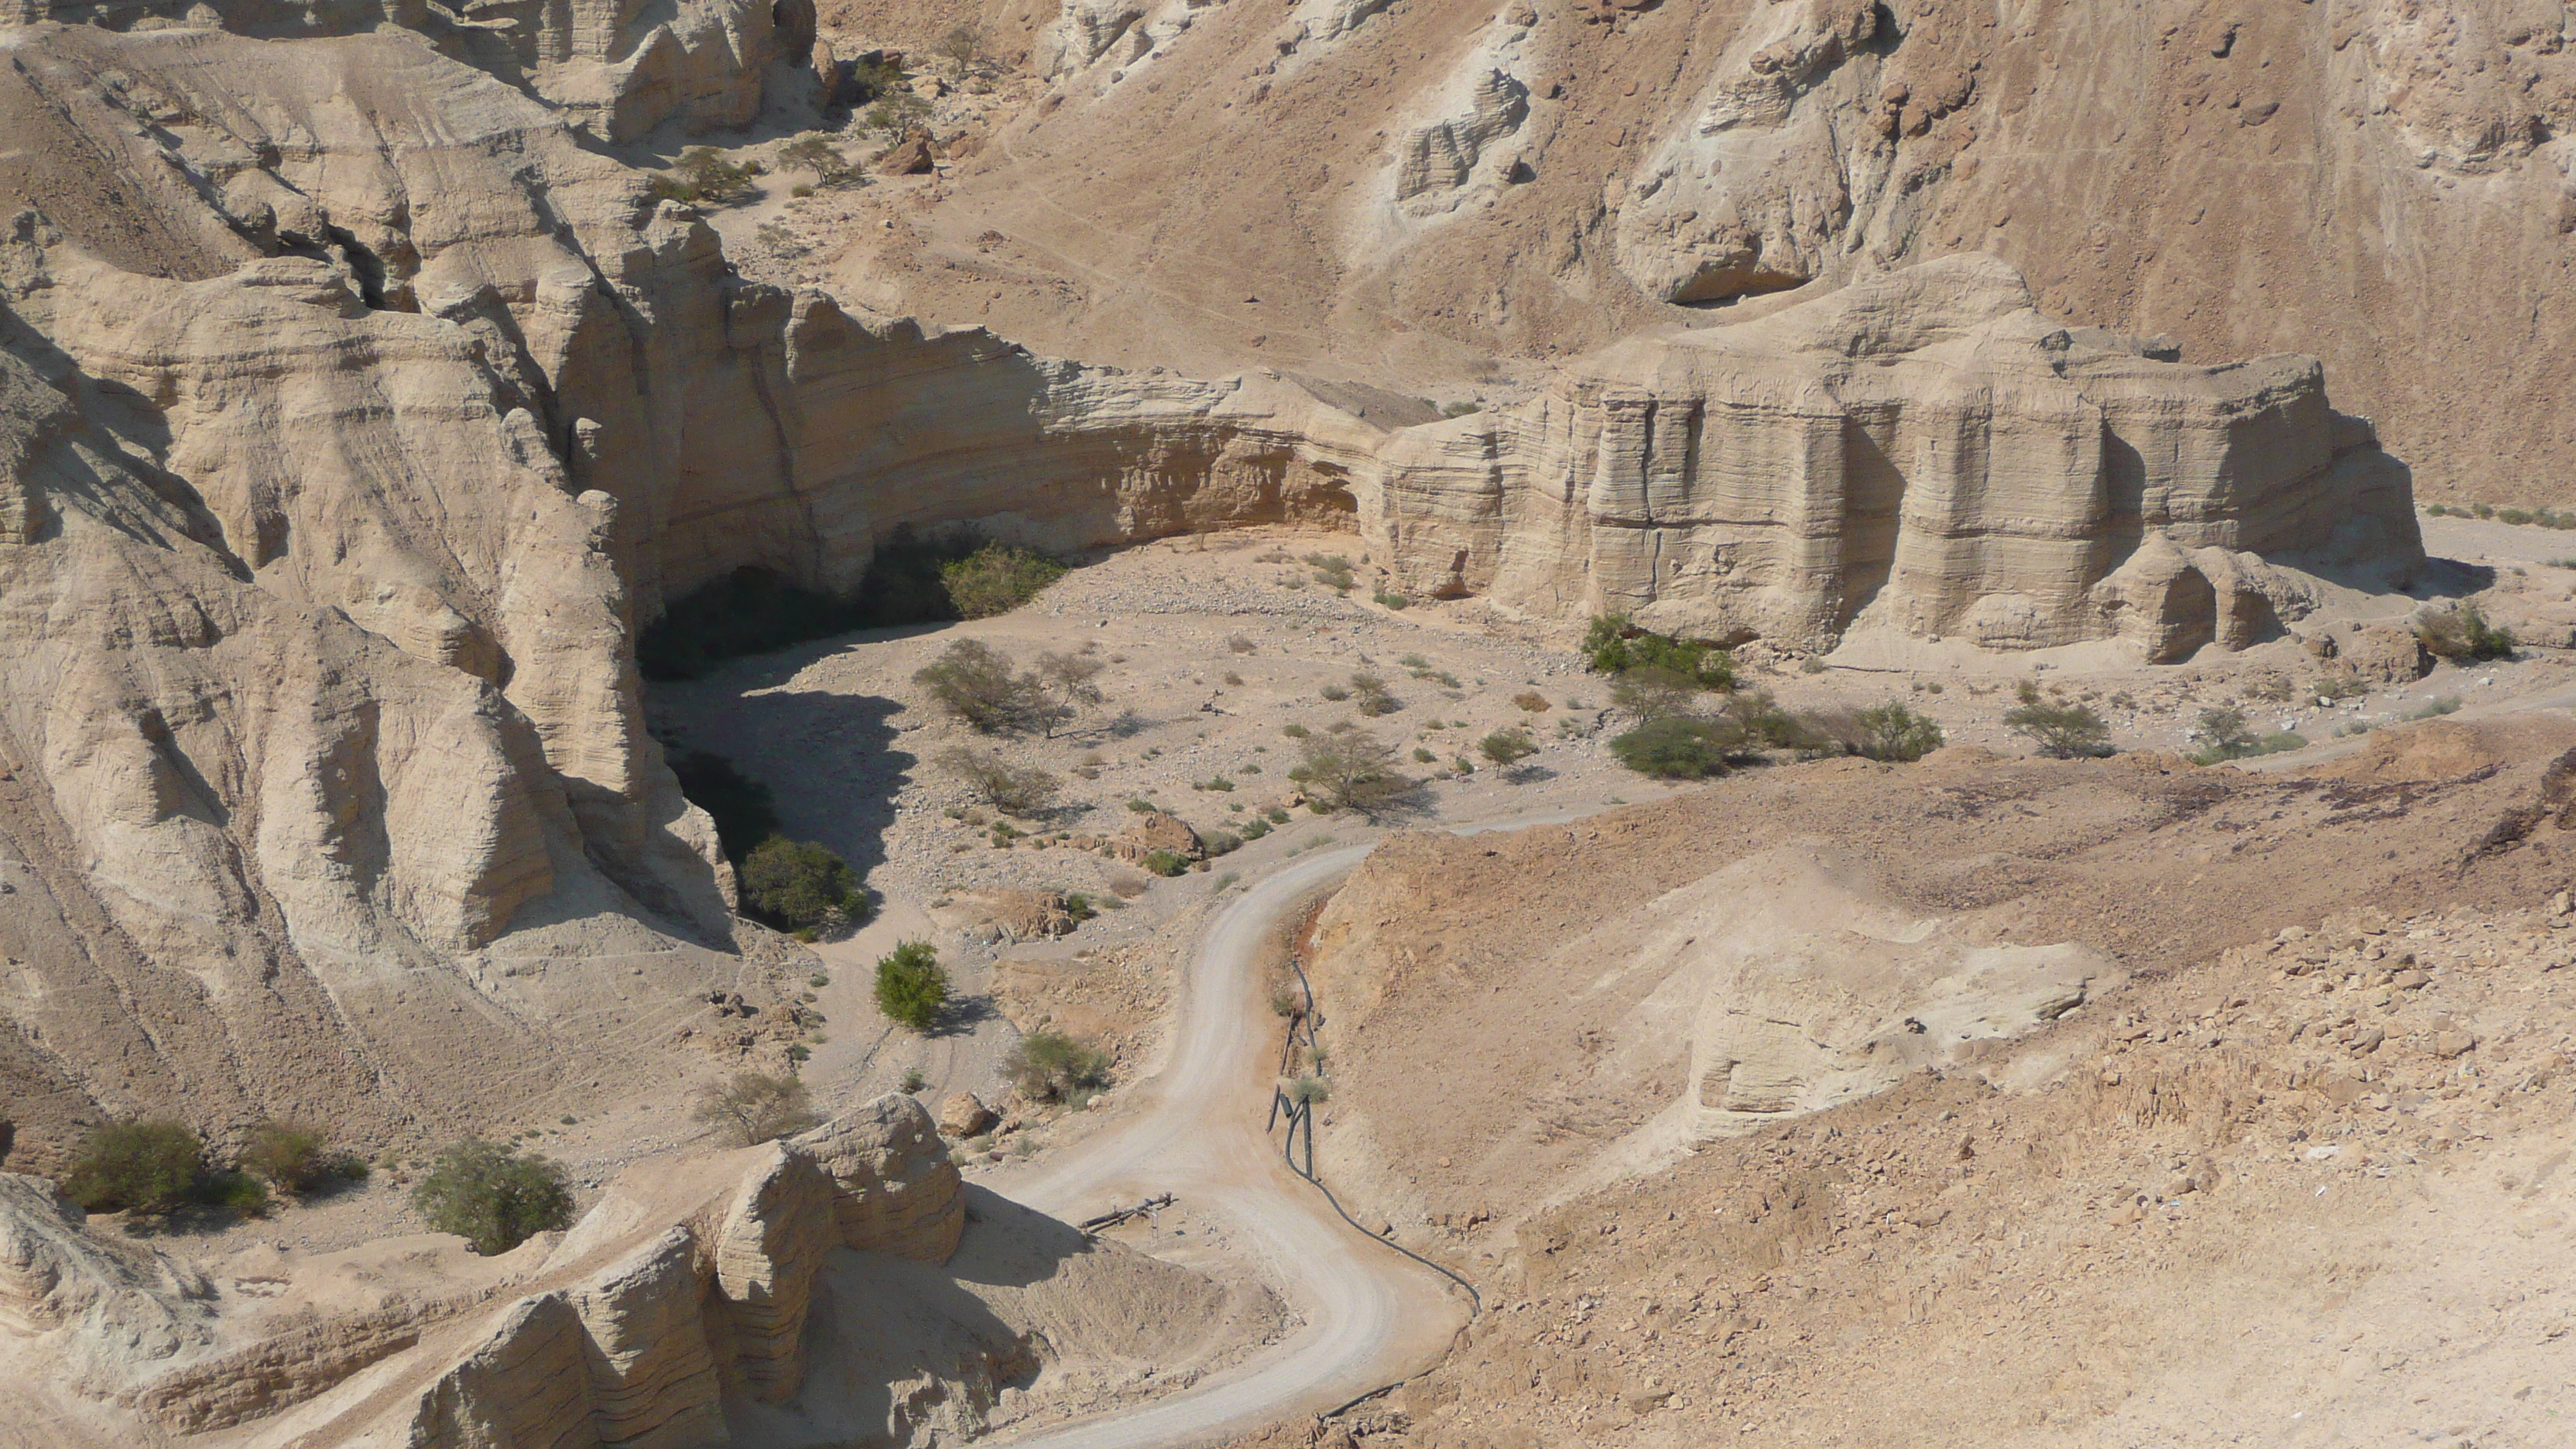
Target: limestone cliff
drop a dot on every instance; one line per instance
(1924, 452)
(357, 425)
(690, 1306)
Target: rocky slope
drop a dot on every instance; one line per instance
(1445, 192)
(701, 1300)
(2015, 1076)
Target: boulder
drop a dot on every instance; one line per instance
(964, 1115)
(896, 1189)
(910, 156)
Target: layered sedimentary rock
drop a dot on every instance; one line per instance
(689, 1284)
(1923, 451)
(353, 433)
(619, 67)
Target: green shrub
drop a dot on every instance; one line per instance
(2064, 731)
(1615, 646)
(754, 1107)
(1223, 842)
(492, 1196)
(1021, 790)
(1078, 906)
(1165, 863)
(1889, 732)
(1349, 769)
(1678, 747)
(703, 177)
(1256, 827)
(798, 885)
(145, 1167)
(741, 807)
(1370, 696)
(911, 985)
(810, 152)
(1507, 748)
(974, 681)
(1652, 692)
(1760, 721)
(2225, 735)
(290, 1156)
(869, 79)
(2463, 636)
(1386, 600)
(1049, 1066)
(235, 1191)
(996, 579)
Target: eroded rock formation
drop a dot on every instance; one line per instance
(355, 431)
(1924, 452)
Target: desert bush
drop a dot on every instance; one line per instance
(1369, 696)
(1222, 842)
(1615, 646)
(996, 579)
(2463, 636)
(742, 808)
(1333, 571)
(1021, 790)
(1385, 600)
(798, 885)
(974, 681)
(1678, 747)
(146, 1167)
(1239, 644)
(1531, 700)
(2064, 731)
(494, 1197)
(702, 176)
(2225, 734)
(1334, 693)
(1759, 721)
(1049, 1066)
(755, 1107)
(295, 1157)
(897, 110)
(1073, 679)
(1349, 770)
(1885, 732)
(1652, 692)
(1165, 863)
(914, 1079)
(810, 152)
(911, 985)
(1307, 1091)
(1507, 748)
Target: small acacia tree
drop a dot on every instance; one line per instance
(1507, 748)
(1020, 790)
(288, 1156)
(911, 985)
(492, 1196)
(2062, 731)
(1049, 1066)
(975, 682)
(1349, 769)
(754, 1107)
(1890, 732)
(144, 1167)
(801, 886)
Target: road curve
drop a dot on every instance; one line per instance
(1369, 1315)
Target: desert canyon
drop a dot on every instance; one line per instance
(1388, 724)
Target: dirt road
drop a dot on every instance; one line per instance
(1369, 1316)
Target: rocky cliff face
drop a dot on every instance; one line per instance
(1923, 452)
(690, 1282)
(2384, 184)
(359, 419)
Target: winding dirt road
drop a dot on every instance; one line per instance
(1369, 1315)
